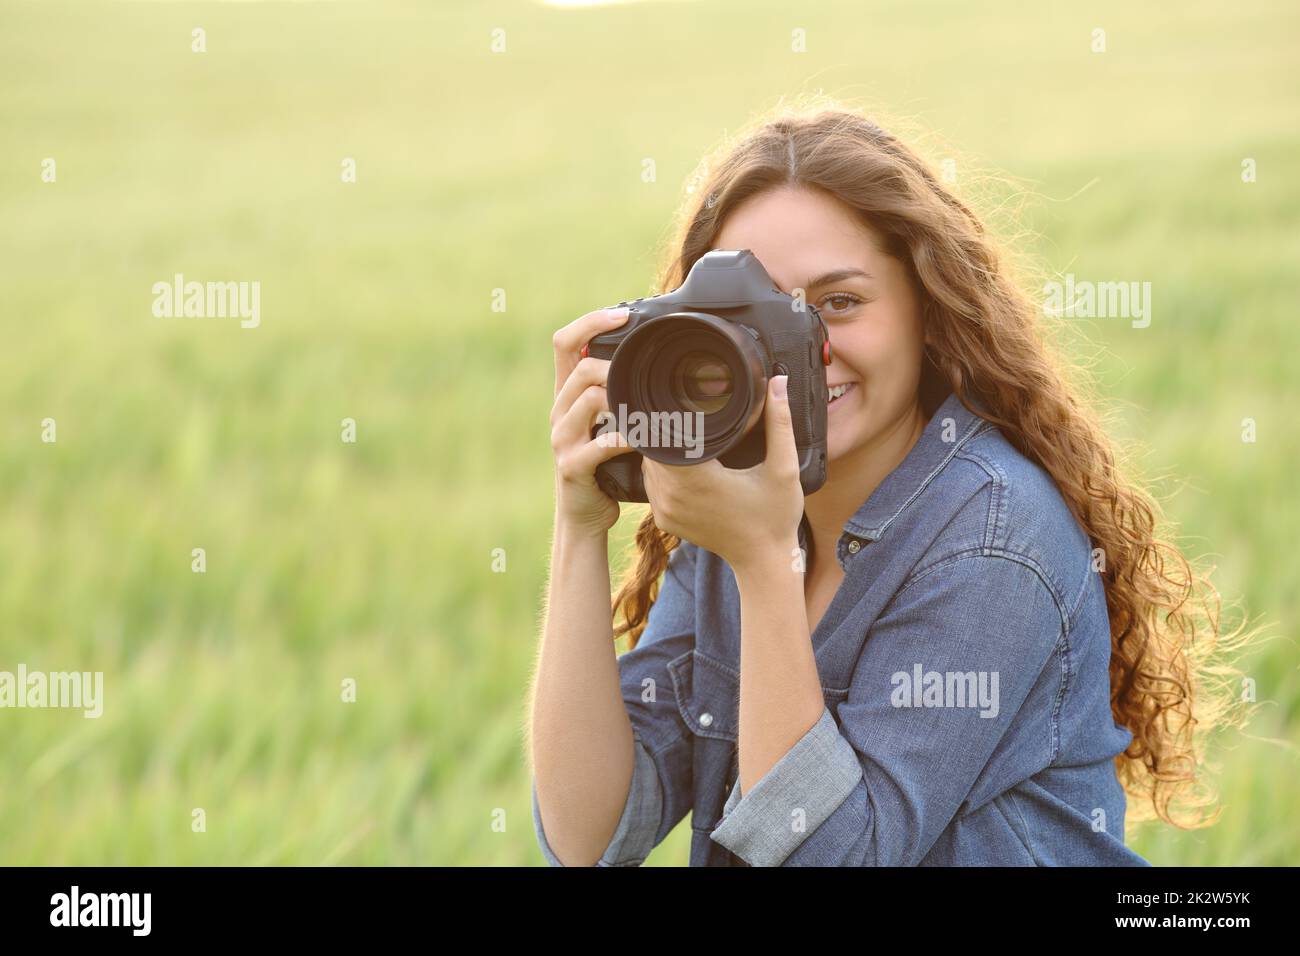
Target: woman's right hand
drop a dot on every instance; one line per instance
(579, 397)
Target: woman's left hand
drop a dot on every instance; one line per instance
(735, 513)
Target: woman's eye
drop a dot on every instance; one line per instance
(840, 301)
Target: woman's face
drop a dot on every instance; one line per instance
(807, 239)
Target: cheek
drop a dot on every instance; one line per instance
(883, 349)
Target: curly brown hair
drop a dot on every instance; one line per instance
(1170, 679)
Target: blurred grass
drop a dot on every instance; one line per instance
(520, 171)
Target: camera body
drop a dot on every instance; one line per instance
(691, 366)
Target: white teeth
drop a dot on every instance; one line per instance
(839, 390)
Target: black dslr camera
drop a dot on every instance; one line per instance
(688, 374)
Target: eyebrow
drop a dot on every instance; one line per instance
(838, 275)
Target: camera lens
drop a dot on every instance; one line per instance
(702, 383)
(698, 381)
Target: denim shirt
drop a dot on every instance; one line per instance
(964, 667)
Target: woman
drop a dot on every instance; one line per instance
(963, 649)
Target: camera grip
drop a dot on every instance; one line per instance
(620, 477)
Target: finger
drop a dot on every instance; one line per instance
(574, 426)
(599, 449)
(568, 341)
(588, 372)
(782, 453)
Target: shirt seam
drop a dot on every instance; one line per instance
(997, 495)
(1022, 837)
(1083, 588)
(976, 427)
(990, 552)
(1062, 644)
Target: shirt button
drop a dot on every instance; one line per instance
(706, 719)
(854, 546)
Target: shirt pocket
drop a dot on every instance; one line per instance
(708, 700)
(707, 691)
(708, 695)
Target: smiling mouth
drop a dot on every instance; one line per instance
(838, 393)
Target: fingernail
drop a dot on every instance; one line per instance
(619, 314)
(779, 384)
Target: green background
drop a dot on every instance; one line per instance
(522, 171)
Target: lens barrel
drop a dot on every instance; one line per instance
(688, 364)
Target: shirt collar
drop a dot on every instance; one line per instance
(950, 427)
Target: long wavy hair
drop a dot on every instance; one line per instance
(1170, 681)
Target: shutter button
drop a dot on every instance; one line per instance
(706, 719)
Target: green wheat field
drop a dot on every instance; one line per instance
(524, 170)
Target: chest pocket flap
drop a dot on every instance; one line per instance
(708, 695)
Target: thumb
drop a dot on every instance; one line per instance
(779, 427)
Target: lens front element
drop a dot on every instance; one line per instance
(702, 382)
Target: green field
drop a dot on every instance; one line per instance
(522, 171)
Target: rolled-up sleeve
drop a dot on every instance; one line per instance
(634, 837)
(796, 796)
(660, 794)
(879, 789)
